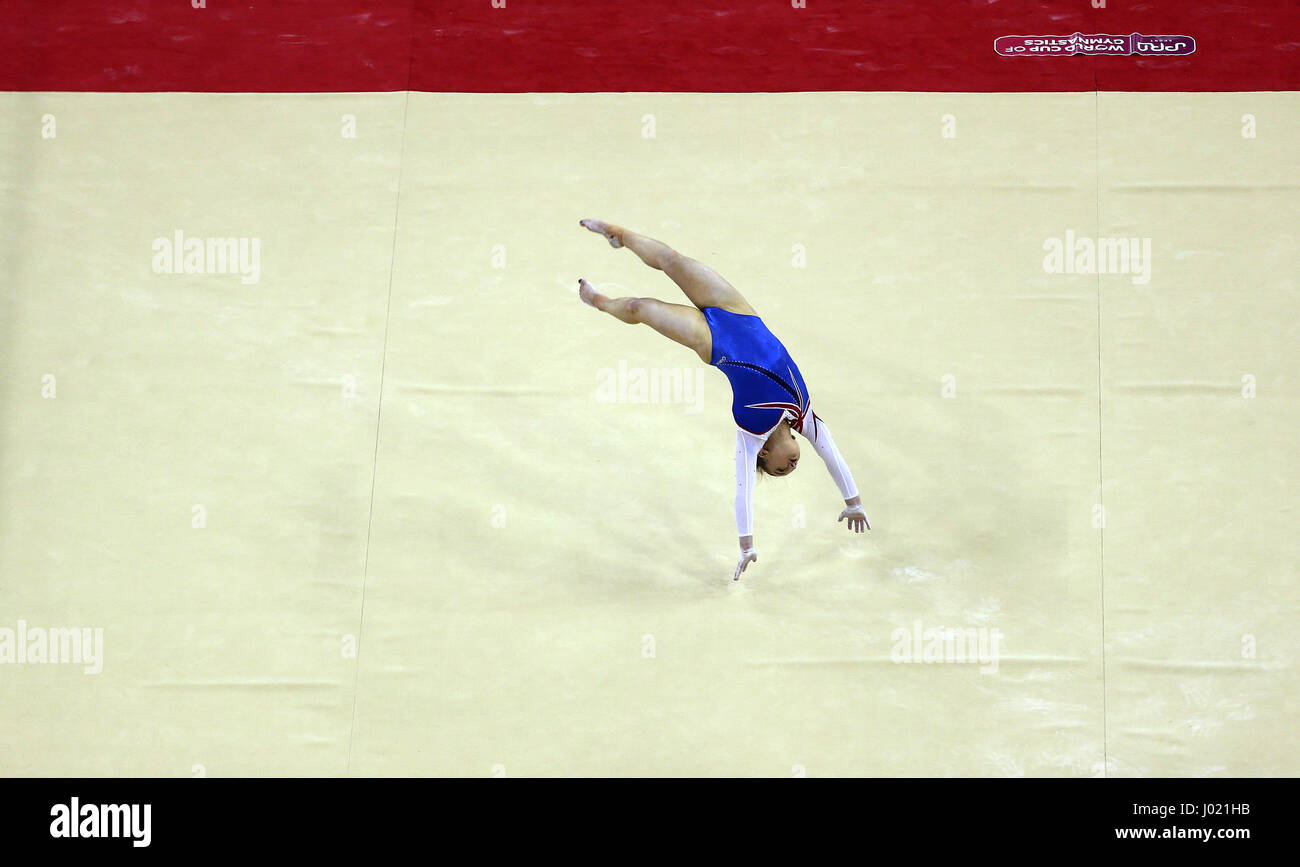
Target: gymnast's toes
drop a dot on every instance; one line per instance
(587, 292)
(601, 228)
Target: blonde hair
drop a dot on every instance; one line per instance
(761, 463)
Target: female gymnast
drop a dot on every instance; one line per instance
(769, 398)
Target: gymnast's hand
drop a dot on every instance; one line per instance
(856, 516)
(747, 555)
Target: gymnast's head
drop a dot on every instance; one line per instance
(780, 454)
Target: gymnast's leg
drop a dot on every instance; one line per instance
(702, 285)
(677, 322)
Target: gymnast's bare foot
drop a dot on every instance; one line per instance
(602, 228)
(589, 295)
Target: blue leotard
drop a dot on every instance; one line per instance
(765, 381)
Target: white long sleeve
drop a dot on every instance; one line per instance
(748, 446)
(816, 432)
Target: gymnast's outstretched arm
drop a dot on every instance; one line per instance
(817, 433)
(748, 446)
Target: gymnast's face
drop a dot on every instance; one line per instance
(781, 452)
